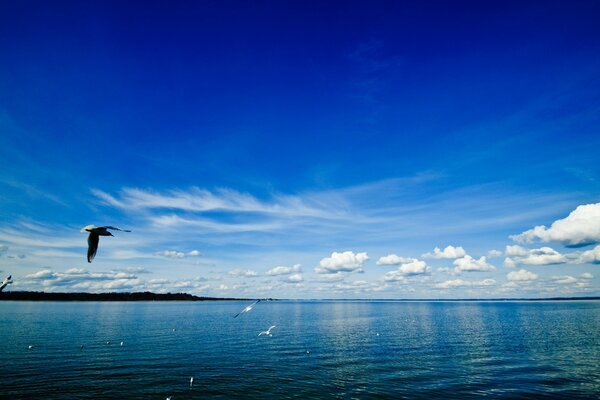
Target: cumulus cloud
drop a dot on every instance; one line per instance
(586, 275)
(415, 267)
(454, 283)
(590, 256)
(494, 253)
(83, 280)
(581, 227)
(509, 263)
(238, 272)
(448, 253)
(342, 262)
(294, 278)
(177, 254)
(410, 268)
(521, 276)
(393, 259)
(541, 256)
(469, 264)
(282, 270)
(395, 276)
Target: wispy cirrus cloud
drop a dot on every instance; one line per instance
(202, 200)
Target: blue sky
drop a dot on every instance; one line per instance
(305, 150)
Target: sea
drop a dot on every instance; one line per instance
(318, 350)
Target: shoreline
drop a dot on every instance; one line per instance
(150, 296)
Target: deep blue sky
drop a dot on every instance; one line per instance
(405, 126)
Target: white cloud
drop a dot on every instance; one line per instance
(394, 276)
(393, 259)
(415, 267)
(541, 256)
(461, 283)
(591, 256)
(177, 254)
(243, 272)
(342, 262)
(509, 263)
(80, 279)
(294, 278)
(3, 249)
(202, 200)
(494, 253)
(282, 270)
(581, 227)
(411, 268)
(469, 264)
(516, 250)
(333, 277)
(354, 285)
(448, 253)
(521, 276)
(564, 279)
(586, 275)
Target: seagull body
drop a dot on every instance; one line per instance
(5, 282)
(94, 237)
(267, 332)
(245, 310)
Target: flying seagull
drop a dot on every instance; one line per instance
(5, 282)
(245, 310)
(267, 332)
(94, 237)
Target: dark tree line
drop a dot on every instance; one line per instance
(136, 296)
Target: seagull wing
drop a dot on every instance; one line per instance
(93, 240)
(114, 228)
(246, 309)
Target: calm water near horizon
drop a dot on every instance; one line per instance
(344, 350)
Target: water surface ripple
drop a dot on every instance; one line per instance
(339, 350)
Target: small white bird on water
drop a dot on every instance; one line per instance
(94, 237)
(245, 310)
(6, 282)
(267, 332)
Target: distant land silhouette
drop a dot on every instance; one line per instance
(114, 296)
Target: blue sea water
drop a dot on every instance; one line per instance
(340, 350)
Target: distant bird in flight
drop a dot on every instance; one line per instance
(267, 332)
(6, 282)
(94, 237)
(245, 310)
